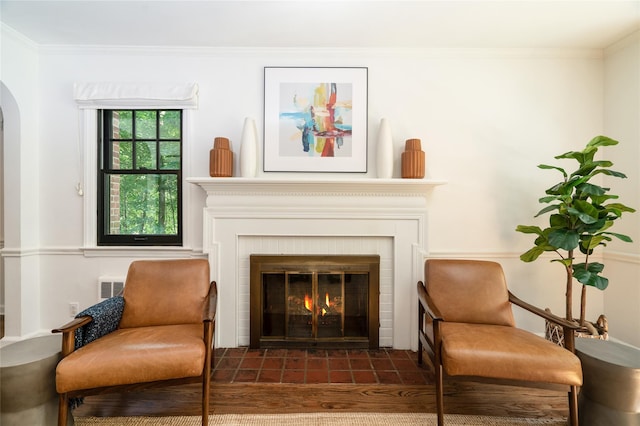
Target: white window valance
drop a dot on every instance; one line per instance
(135, 95)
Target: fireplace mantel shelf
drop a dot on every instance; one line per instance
(327, 186)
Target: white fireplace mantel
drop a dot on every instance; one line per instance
(387, 187)
(312, 215)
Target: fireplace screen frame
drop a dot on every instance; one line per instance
(314, 265)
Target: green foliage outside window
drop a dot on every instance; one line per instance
(141, 176)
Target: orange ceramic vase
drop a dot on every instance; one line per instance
(413, 160)
(221, 158)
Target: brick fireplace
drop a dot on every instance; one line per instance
(382, 217)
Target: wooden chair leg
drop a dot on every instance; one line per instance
(573, 406)
(420, 319)
(206, 384)
(439, 394)
(63, 409)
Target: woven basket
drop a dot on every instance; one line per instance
(555, 333)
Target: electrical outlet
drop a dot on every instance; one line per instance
(74, 308)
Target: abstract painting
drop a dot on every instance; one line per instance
(315, 119)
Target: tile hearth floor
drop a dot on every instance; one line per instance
(383, 366)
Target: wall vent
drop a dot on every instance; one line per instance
(109, 287)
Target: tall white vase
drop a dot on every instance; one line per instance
(384, 151)
(249, 149)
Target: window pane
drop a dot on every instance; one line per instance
(169, 155)
(146, 155)
(122, 124)
(146, 125)
(169, 124)
(121, 158)
(143, 204)
(139, 204)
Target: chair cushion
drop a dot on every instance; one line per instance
(504, 352)
(163, 292)
(134, 355)
(471, 291)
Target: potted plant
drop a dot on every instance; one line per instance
(582, 214)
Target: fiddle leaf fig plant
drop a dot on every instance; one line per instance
(581, 216)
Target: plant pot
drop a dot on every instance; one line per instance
(598, 330)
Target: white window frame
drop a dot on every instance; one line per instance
(92, 97)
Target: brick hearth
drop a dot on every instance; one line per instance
(384, 366)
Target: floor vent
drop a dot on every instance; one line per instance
(109, 287)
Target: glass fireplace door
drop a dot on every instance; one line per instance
(299, 318)
(314, 305)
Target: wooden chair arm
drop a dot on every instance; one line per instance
(73, 325)
(427, 303)
(209, 312)
(542, 313)
(68, 333)
(568, 327)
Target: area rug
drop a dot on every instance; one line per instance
(318, 419)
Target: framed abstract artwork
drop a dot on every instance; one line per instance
(315, 119)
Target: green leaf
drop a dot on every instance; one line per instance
(600, 199)
(586, 212)
(565, 262)
(559, 189)
(591, 189)
(622, 237)
(590, 166)
(527, 229)
(610, 173)
(596, 227)
(548, 167)
(548, 199)
(585, 170)
(599, 141)
(532, 254)
(559, 220)
(566, 239)
(595, 267)
(576, 155)
(584, 217)
(590, 275)
(619, 206)
(548, 209)
(593, 242)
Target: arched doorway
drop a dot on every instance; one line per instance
(9, 161)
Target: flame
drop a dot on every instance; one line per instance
(307, 302)
(326, 304)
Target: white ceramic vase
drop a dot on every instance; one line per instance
(249, 149)
(384, 151)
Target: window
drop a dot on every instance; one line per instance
(140, 177)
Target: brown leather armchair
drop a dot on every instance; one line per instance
(467, 327)
(164, 337)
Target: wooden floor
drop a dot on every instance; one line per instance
(460, 398)
(236, 397)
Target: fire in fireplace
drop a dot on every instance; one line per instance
(314, 301)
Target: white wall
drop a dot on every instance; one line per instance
(622, 122)
(486, 119)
